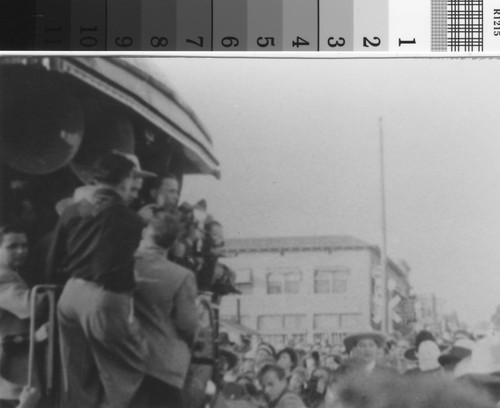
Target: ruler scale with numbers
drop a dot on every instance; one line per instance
(397, 26)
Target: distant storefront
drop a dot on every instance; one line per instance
(312, 289)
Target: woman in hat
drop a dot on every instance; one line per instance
(264, 354)
(425, 353)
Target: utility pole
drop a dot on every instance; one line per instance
(434, 312)
(383, 250)
(238, 311)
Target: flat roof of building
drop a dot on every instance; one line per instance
(306, 243)
(266, 244)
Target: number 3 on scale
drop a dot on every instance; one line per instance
(336, 43)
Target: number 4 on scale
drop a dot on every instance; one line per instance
(299, 41)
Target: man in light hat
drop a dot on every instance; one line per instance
(365, 349)
(94, 243)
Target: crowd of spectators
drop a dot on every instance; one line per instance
(367, 370)
(131, 266)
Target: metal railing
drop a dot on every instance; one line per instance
(50, 292)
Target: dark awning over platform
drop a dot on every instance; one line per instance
(138, 84)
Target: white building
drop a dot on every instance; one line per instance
(308, 288)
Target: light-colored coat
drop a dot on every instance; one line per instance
(165, 305)
(14, 318)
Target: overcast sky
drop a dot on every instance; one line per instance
(298, 142)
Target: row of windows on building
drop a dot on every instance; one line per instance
(298, 322)
(289, 281)
(279, 340)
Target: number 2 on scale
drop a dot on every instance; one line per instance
(375, 42)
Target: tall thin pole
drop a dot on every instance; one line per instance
(238, 311)
(383, 249)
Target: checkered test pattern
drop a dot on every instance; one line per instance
(438, 25)
(456, 25)
(465, 25)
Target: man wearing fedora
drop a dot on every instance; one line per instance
(365, 350)
(14, 315)
(93, 249)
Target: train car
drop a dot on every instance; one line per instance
(58, 115)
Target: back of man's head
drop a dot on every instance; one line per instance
(112, 169)
(164, 229)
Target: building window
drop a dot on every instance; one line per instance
(274, 284)
(244, 280)
(270, 323)
(276, 323)
(326, 322)
(294, 322)
(275, 339)
(296, 338)
(350, 321)
(247, 321)
(292, 282)
(330, 280)
(283, 281)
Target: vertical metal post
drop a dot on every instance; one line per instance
(434, 313)
(238, 311)
(3, 194)
(31, 357)
(51, 341)
(383, 249)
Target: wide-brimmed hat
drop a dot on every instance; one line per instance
(267, 348)
(138, 172)
(412, 353)
(485, 357)
(230, 356)
(353, 339)
(457, 352)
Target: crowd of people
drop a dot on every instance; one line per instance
(368, 370)
(131, 261)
